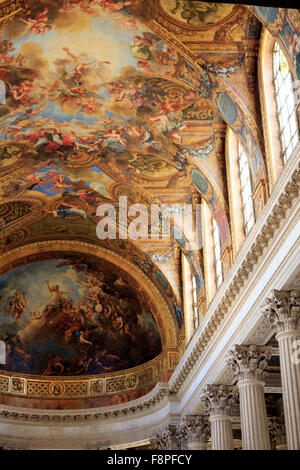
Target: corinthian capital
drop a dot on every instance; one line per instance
(283, 310)
(170, 438)
(248, 362)
(219, 399)
(197, 427)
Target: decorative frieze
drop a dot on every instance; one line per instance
(82, 387)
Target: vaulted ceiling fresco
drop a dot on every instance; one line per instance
(110, 98)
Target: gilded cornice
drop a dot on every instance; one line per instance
(9, 8)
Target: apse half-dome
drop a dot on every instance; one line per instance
(74, 316)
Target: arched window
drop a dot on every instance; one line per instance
(246, 189)
(217, 252)
(286, 106)
(195, 303)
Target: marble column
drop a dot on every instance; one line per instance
(247, 363)
(283, 314)
(197, 431)
(218, 400)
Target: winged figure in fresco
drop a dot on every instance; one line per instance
(81, 64)
(67, 209)
(18, 304)
(57, 292)
(153, 54)
(115, 5)
(38, 25)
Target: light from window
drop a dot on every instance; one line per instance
(286, 106)
(217, 251)
(195, 303)
(246, 189)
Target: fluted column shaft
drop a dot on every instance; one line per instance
(248, 362)
(197, 445)
(221, 433)
(255, 433)
(283, 313)
(290, 379)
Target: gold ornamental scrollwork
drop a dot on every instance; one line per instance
(10, 8)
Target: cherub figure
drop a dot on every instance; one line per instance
(38, 25)
(18, 304)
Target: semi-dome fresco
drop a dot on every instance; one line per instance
(74, 316)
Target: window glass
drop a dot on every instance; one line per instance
(246, 189)
(285, 100)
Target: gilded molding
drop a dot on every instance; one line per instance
(84, 387)
(10, 8)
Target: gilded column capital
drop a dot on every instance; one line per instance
(283, 310)
(219, 399)
(248, 361)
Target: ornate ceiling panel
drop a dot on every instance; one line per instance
(106, 99)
